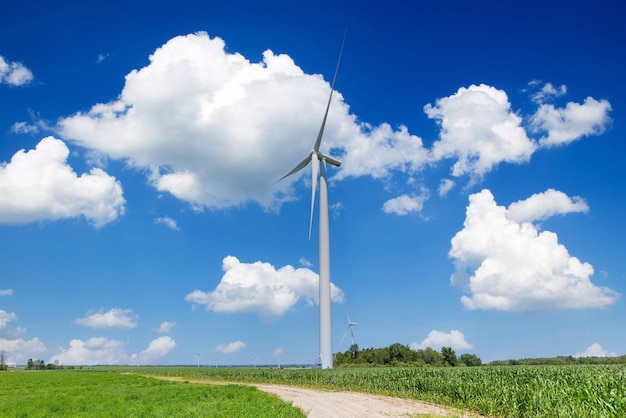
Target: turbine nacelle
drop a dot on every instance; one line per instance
(329, 159)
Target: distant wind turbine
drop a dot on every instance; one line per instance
(197, 358)
(278, 352)
(318, 162)
(350, 328)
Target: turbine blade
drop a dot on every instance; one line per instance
(318, 141)
(344, 336)
(315, 166)
(297, 168)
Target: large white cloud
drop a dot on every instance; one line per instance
(5, 318)
(14, 73)
(544, 205)
(479, 128)
(101, 350)
(19, 350)
(260, 288)
(202, 121)
(216, 130)
(94, 351)
(437, 339)
(512, 266)
(114, 318)
(157, 350)
(564, 125)
(378, 151)
(595, 350)
(230, 347)
(39, 185)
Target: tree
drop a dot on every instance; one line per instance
(432, 357)
(354, 350)
(3, 364)
(470, 360)
(449, 355)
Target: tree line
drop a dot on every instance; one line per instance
(41, 365)
(402, 355)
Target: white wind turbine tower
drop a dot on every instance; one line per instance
(197, 358)
(318, 162)
(350, 328)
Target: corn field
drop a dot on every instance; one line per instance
(513, 391)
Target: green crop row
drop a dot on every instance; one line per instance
(77, 393)
(515, 391)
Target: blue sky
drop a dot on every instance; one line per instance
(479, 204)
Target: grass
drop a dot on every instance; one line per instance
(513, 391)
(112, 394)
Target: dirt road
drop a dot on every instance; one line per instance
(344, 404)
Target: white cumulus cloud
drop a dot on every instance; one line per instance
(574, 121)
(165, 327)
(14, 73)
(230, 347)
(377, 151)
(445, 185)
(94, 351)
(405, 204)
(114, 318)
(5, 318)
(478, 128)
(157, 350)
(101, 350)
(197, 119)
(168, 222)
(19, 350)
(547, 92)
(437, 339)
(512, 266)
(595, 350)
(6, 292)
(39, 185)
(260, 288)
(544, 205)
(24, 128)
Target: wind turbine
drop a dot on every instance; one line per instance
(318, 162)
(197, 358)
(350, 328)
(278, 352)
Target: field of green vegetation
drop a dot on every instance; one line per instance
(88, 393)
(503, 391)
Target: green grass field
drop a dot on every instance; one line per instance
(514, 391)
(78, 393)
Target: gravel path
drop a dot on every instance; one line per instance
(344, 404)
